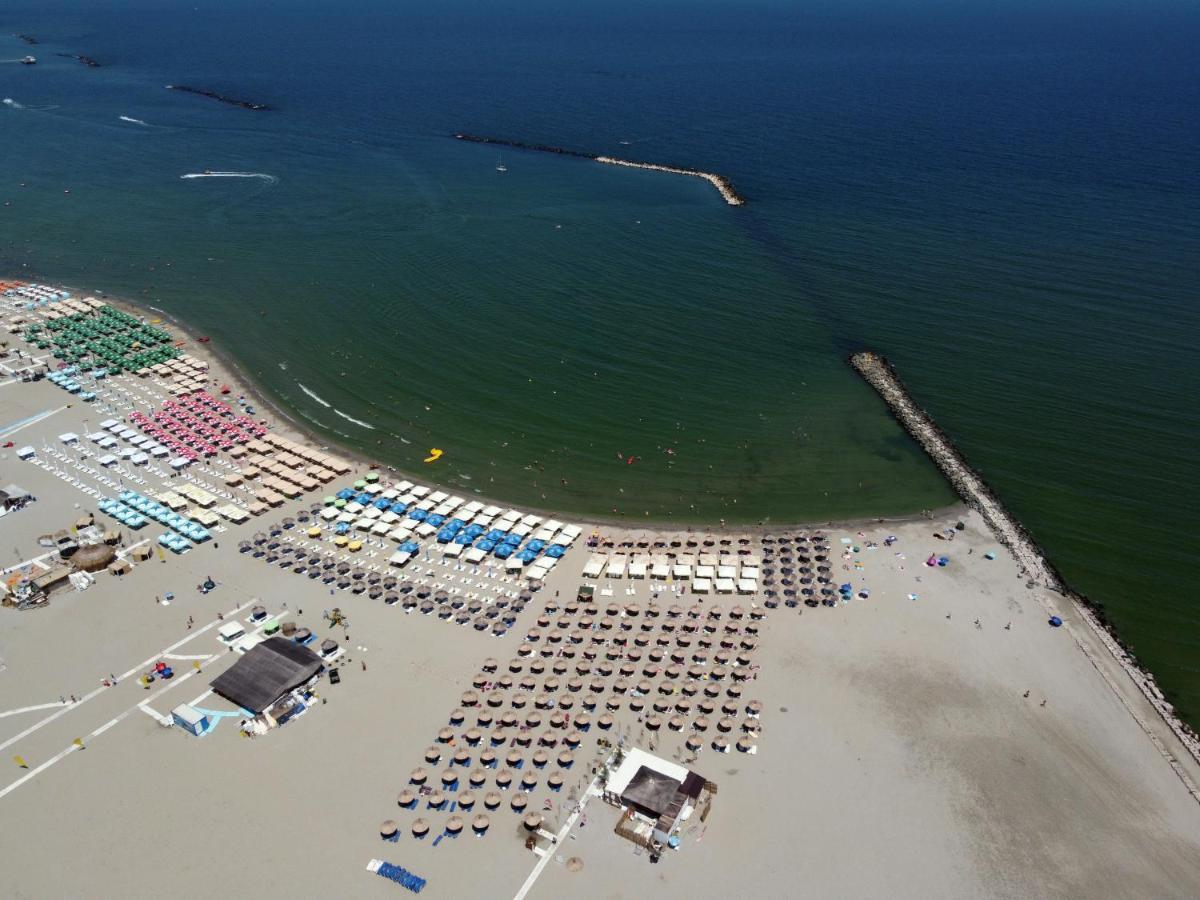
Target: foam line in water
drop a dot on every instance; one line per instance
(10, 102)
(269, 179)
(314, 395)
(133, 121)
(354, 420)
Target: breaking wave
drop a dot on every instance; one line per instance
(314, 396)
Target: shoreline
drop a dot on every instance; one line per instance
(1032, 559)
(226, 368)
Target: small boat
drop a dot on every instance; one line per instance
(29, 61)
(500, 166)
(205, 339)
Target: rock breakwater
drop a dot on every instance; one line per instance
(1035, 567)
(720, 182)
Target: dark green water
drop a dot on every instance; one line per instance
(1005, 205)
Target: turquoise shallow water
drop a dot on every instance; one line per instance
(1005, 205)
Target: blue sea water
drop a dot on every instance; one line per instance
(1002, 199)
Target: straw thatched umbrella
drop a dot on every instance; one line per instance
(532, 820)
(504, 779)
(454, 825)
(693, 743)
(480, 823)
(437, 799)
(433, 755)
(477, 778)
(701, 723)
(461, 757)
(605, 722)
(466, 800)
(528, 781)
(499, 737)
(720, 744)
(513, 759)
(418, 776)
(470, 698)
(745, 744)
(407, 798)
(420, 828)
(492, 800)
(583, 722)
(487, 759)
(573, 739)
(653, 723)
(444, 736)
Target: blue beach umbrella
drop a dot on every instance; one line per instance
(475, 530)
(436, 520)
(382, 504)
(463, 538)
(527, 556)
(486, 545)
(409, 547)
(556, 551)
(504, 551)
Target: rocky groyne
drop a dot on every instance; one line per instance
(221, 98)
(720, 182)
(86, 60)
(1035, 567)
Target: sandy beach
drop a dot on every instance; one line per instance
(930, 734)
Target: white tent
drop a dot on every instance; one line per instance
(701, 585)
(399, 558)
(454, 551)
(616, 567)
(682, 570)
(637, 569)
(747, 586)
(474, 555)
(661, 570)
(68, 437)
(725, 585)
(594, 567)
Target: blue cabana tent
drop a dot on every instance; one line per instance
(556, 551)
(409, 547)
(463, 538)
(486, 546)
(504, 551)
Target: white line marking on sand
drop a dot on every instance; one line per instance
(86, 697)
(13, 712)
(99, 731)
(562, 834)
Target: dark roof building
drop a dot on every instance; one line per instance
(266, 673)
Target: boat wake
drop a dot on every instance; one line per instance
(133, 121)
(13, 104)
(349, 418)
(315, 396)
(269, 179)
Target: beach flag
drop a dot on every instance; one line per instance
(78, 742)
(20, 761)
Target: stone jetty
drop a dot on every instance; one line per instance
(720, 182)
(1035, 567)
(220, 98)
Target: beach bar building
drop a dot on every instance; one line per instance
(657, 796)
(261, 678)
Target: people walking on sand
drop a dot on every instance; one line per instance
(364, 665)
(1043, 703)
(977, 625)
(1026, 694)
(1008, 627)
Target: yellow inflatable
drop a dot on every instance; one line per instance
(434, 455)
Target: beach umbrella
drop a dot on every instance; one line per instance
(420, 828)
(481, 822)
(407, 798)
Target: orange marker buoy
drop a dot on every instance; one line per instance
(434, 455)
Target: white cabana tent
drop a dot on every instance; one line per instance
(594, 567)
